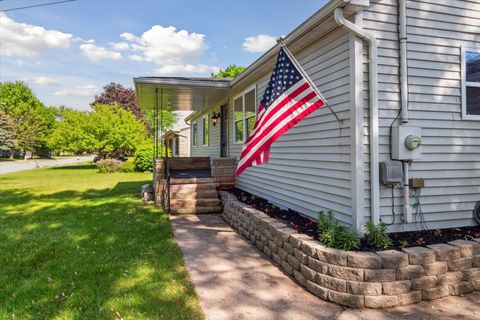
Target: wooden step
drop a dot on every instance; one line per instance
(192, 187)
(174, 181)
(196, 210)
(205, 202)
(208, 193)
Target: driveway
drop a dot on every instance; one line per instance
(235, 281)
(13, 166)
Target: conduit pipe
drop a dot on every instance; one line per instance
(373, 98)
(402, 30)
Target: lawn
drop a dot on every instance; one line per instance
(77, 244)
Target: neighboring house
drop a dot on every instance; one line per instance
(368, 58)
(178, 141)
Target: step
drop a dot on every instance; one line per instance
(191, 180)
(205, 202)
(194, 194)
(196, 210)
(192, 187)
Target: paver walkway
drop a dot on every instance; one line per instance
(235, 281)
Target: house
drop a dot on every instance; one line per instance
(404, 77)
(178, 138)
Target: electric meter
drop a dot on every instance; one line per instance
(412, 142)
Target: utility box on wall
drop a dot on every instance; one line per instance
(406, 142)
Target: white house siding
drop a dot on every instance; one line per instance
(451, 146)
(213, 147)
(310, 165)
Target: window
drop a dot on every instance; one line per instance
(176, 146)
(244, 107)
(471, 83)
(194, 134)
(205, 130)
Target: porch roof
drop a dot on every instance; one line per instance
(180, 93)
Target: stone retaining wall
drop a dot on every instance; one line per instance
(360, 279)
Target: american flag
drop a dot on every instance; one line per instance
(288, 98)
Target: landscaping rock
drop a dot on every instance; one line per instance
(331, 283)
(438, 267)
(444, 252)
(347, 299)
(364, 288)
(296, 239)
(476, 261)
(397, 287)
(436, 293)
(409, 298)
(467, 248)
(381, 301)
(333, 256)
(425, 282)
(287, 268)
(471, 274)
(293, 262)
(302, 257)
(380, 275)
(461, 288)
(460, 264)
(318, 265)
(317, 290)
(410, 272)
(449, 278)
(364, 260)
(393, 259)
(420, 255)
(300, 278)
(346, 273)
(308, 273)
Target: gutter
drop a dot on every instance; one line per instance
(373, 99)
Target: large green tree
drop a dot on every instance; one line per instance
(108, 130)
(32, 120)
(7, 134)
(230, 72)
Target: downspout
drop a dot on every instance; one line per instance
(402, 29)
(373, 97)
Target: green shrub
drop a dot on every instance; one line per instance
(128, 166)
(109, 165)
(377, 235)
(332, 234)
(144, 159)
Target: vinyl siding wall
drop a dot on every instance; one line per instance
(310, 165)
(451, 146)
(213, 147)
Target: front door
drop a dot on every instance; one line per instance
(223, 130)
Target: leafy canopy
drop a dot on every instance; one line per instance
(230, 72)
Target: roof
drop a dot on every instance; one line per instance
(197, 94)
(181, 93)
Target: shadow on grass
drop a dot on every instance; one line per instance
(98, 254)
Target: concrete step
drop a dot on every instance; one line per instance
(205, 202)
(207, 193)
(192, 187)
(196, 210)
(174, 181)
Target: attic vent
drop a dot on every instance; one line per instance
(391, 172)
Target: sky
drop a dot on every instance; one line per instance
(67, 52)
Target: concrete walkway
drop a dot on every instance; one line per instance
(235, 281)
(20, 165)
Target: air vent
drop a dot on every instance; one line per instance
(391, 172)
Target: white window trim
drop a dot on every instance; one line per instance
(464, 84)
(243, 93)
(205, 119)
(194, 138)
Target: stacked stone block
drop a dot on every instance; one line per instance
(360, 279)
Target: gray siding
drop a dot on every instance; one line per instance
(451, 146)
(213, 147)
(310, 165)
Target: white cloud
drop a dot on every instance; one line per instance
(136, 57)
(259, 43)
(79, 91)
(21, 39)
(44, 81)
(120, 46)
(95, 53)
(186, 70)
(166, 45)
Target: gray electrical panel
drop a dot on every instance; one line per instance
(391, 172)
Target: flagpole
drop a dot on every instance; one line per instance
(307, 78)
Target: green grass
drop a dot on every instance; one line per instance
(77, 244)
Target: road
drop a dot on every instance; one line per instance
(13, 166)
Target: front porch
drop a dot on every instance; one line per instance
(190, 185)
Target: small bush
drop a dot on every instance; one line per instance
(377, 235)
(332, 234)
(144, 159)
(128, 166)
(109, 165)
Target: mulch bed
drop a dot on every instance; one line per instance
(399, 239)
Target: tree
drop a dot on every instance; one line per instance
(7, 134)
(108, 130)
(124, 97)
(31, 119)
(230, 72)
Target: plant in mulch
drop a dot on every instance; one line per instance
(377, 235)
(332, 234)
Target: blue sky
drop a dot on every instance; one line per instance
(68, 52)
